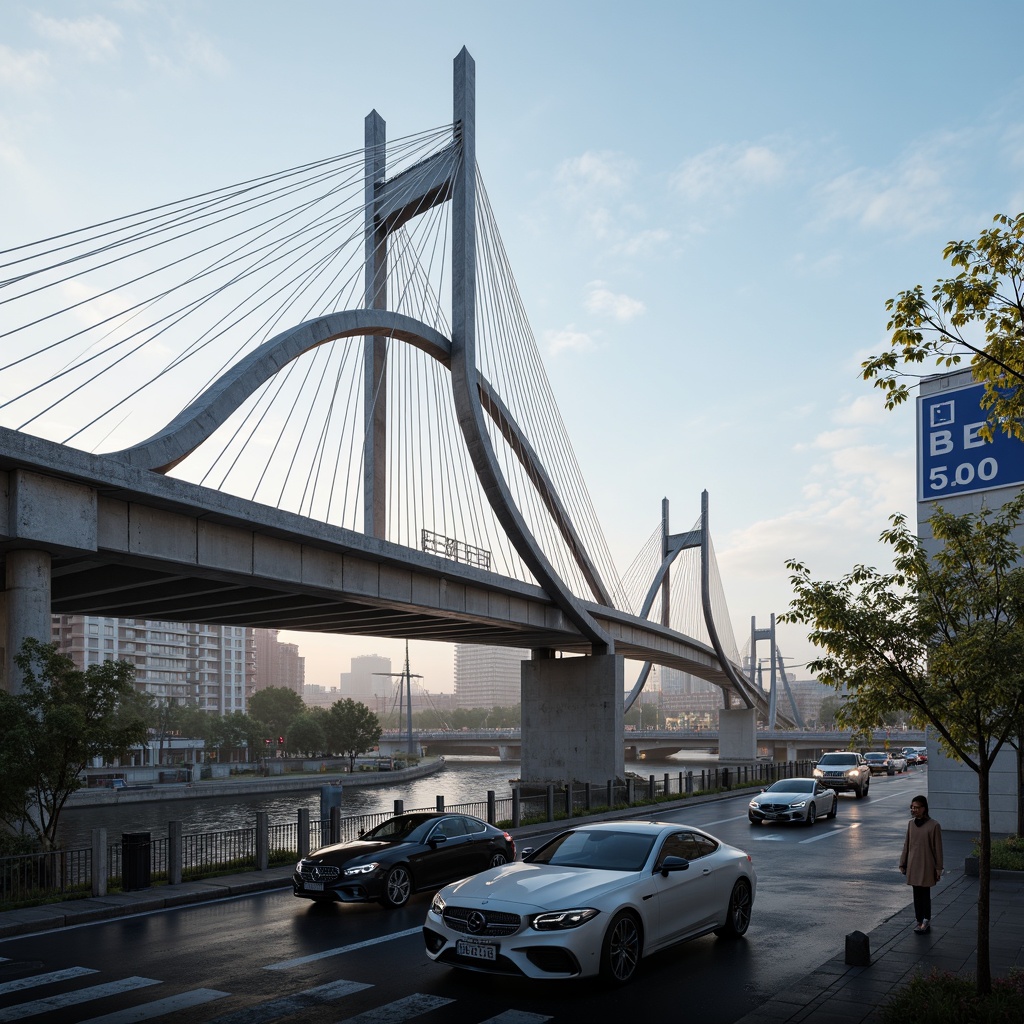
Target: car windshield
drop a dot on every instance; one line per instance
(599, 849)
(791, 786)
(397, 829)
(875, 757)
(838, 759)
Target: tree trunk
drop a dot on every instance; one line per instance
(984, 965)
(1020, 784)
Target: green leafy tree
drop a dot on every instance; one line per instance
(62, 720)
(308, 733)
(277, 706)
(230, 732)
(979, 312)
(352, 729)
(943, 636)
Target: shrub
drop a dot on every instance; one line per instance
(1007, 854)
(944, 998)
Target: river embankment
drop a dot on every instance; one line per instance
(246, 785)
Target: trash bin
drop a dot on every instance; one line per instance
(135, 860)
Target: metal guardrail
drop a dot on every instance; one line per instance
(139, 860)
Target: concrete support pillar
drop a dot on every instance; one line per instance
(27, 607)
(737, 734)
(572, 720)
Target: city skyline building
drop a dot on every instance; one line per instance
(278, 663)
(212, 666)
(488, 677)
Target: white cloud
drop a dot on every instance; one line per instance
(194, 52)
(568, 339)
(94, 37)
(23, 71)
(727, 171)
(604, 302)
(913, 194)
(593, 174)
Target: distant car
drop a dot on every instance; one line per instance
(842, 770)
(897, 762)
(922, 754)
(878, 762)
(593, 901)
(405, 854)
(910, 754)
(802, 800)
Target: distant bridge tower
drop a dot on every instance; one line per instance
(775, 663)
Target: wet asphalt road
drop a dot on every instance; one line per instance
(271, 957)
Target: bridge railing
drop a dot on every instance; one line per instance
(138, 860)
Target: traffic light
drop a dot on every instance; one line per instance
(280, 741)
(267, 741)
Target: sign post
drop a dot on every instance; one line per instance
(953, 457)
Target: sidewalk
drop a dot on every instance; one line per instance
(839, 994)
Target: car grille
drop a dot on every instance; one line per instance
(774, 808)
(480, 922)
(319, 872)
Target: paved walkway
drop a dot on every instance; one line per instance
(837, 993)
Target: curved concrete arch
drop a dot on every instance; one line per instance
(193, 425)
(198, 421)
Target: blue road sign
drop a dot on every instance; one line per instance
(952, 456)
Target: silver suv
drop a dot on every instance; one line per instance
(844, 769)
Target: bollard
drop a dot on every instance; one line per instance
(440, 804)
(858, 950)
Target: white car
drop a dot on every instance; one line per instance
(803, 800)
(593, 901)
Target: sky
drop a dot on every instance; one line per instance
(706, 207)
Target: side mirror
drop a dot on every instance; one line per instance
(673, 864)
(437, 839)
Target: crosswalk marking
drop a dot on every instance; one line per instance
(43, 979)
(395, 1012)
(283, 965)
(159, 1007)
(400, 1010)
(275, 1008)
(83, 995)
(516, 1017)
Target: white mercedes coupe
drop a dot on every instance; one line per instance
(593, 901)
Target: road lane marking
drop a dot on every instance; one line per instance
(839, 830)
(44, 979)
(283, 965)
(159, 1007)
(84, 995)
(399, 1010)
(275, 1009)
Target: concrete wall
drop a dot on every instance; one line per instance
(572, 720)
(953, 793)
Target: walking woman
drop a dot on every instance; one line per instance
(921, 860)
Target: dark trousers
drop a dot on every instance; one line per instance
(922, 902)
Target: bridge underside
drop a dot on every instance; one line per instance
(129, 543)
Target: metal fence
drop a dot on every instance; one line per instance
(138, 860)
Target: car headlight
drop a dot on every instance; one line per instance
(298, 868)
(361, 869)
(437, 904)
(558, 919)
(754, 804)
(818, 773)
(852, 773)
(799, 803)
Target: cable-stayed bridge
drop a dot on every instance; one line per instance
(313, 401)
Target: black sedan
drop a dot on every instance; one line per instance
(406, 854)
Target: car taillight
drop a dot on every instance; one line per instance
(511, 843)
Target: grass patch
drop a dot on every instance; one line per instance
(944, 998)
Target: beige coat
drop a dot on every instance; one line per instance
(922, 853)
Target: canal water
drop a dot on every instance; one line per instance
(463, 780)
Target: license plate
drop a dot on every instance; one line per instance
(476, 950)
(313, 886)
(771, 816)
